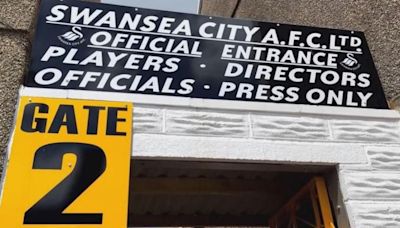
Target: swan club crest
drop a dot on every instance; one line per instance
(73, 37)
(350, 63)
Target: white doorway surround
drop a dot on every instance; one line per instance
(364, 144)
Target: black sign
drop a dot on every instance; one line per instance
(92, 46)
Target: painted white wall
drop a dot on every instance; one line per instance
(366, 149)
(363, 143)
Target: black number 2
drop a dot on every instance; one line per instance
(90, 164)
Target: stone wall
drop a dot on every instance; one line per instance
(16, 17)
(379, 20)
(366, 150)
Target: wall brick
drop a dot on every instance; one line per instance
(374, 215)
(289, 127)
(385, 158)
(147, 120)
(367, 131)
(379, 186)
(206, 123)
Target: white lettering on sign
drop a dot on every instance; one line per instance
(131, 50)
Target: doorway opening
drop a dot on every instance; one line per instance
(166, 193)
(312, 197)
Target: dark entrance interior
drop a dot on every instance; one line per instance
(186, 193)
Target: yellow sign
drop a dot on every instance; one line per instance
(68, 165)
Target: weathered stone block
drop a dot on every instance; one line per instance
(147, 120)
(222, 8)
(373, 215)
(365, 130)
(206, 123)
(18, 14)
(384, 158)
(12, 65)
(289, 127)
(379, 186)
